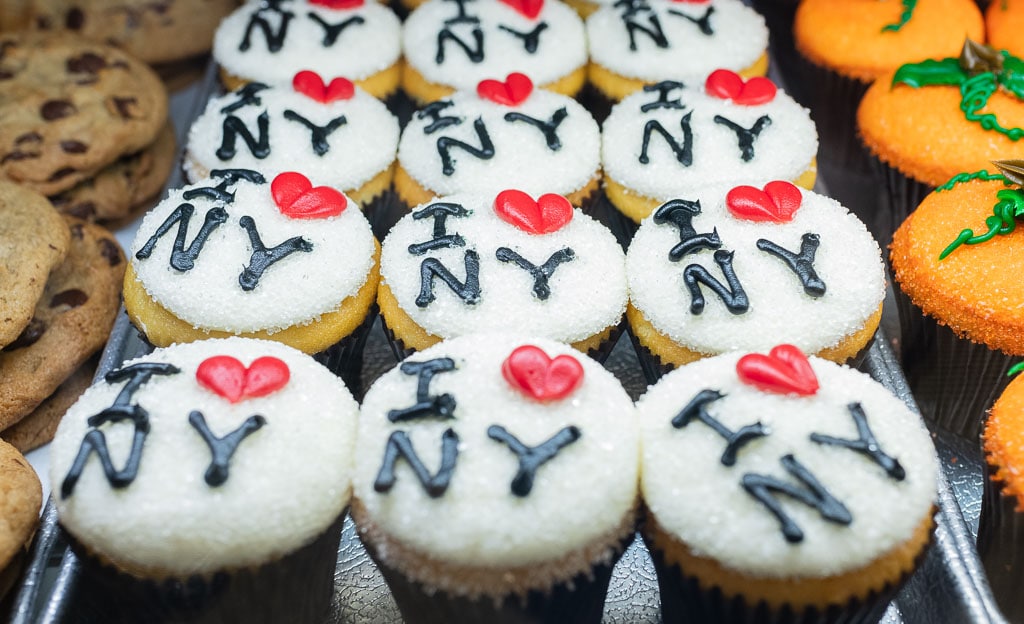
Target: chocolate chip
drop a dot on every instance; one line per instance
(71, 298)
(74, 19)
(111, 251)
(18, 155)
(28, 336)
(82, 210)
(56, 109)
(28, 137)
(6, 75)
(87, 63)
(76, 231)
(123, 105)
(61, 174)
(74, 147)
(43, 22)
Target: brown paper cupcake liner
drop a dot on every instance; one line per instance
(345, 357)
(296, 588)
(1001, 546)
(902, 196)
(954, 380)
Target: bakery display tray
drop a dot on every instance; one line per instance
(949, 587)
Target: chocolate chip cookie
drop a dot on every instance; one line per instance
(128, 183)
(21, 497)
(33, 241)
(71, 321)
(70, 107)
(38, 428)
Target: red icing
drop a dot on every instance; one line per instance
(785, 370)
(516, 88)
(311, 85)
(229, 378)
(777, 202)
(530, 370)
(549, 213)
(728, 85)
(297, 199)
(338, 4)
(528, 8)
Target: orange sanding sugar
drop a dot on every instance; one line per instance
(847, 36)
(923, 133)
(976, 290)
(1004, 22)
(1003, 440)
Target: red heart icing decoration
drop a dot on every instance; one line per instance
(527, 8)
(516, 88)
(549, 213)
(229, 378)
(295, 196)
(785, 370)
(728, 85)
(777, 202)
(338, 4)
(530, 370)
(311, 85)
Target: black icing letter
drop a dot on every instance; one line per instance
(476, 53)
(427, 405)
(248, 95)
(318, 134)
(469, 291)
(664, 88)
(540, 274)
(813, 494)
(630, 18)
(680, 212)
(866, 444)
(745, 136)
(703, 23)
(183, 259)
(530, 39)
(734, 297)
(437, 120)
(400, 446)
(261, 257)
(549, 128)
(484, 152)
(683, 151)
(802, 264)
(233, 127)
(440, 211)
(258, 20)
(532, 458)
(333, 31)
(735, 440)
(222, 449)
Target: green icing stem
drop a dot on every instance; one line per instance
(1016, 368)
(974, 95)
(908, 11)
(967, 177)
(1003, 221)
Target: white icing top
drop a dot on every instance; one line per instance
(370, 44)
(580, 495)
(295, 290)
(848, 260)
(561, 45)
(680, 466)
(783, 150)
(587, 293)
(287, 481)
(361, 147)
(522, 158)
(739, 38)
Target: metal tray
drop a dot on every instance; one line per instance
(949, 587)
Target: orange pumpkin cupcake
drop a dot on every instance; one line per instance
(957, 259)
(1004, 21)
(1001, 528)
(842, 48)
(934, 119)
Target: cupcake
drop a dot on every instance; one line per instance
(334, 132)
(271, 41)
(451, 46)
(642, 42)
(496, 480)
(743, 268)
(956, 264)
(238, 254)
(204, 479)
(505, 134)
(504, 261)
(999, 530)
(1003, 22)
(670, 140)
(845, 46)
(817, 489)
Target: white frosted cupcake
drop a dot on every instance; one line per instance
(208, 478)
(502, 262)
(334, 132)
(744, 268)
(671, 140)
(496, 477)
(453, 45)
(270, 41)
(638, 42)
(816, 490)
(507, 134)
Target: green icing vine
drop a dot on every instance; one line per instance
(1016, 368)
(908, 12)
(967, 177)
(1003, 221)
(979, 72)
